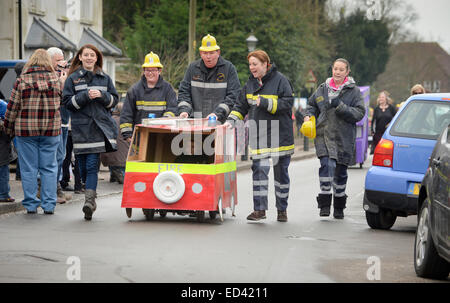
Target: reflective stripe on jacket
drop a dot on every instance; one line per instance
(93, 128)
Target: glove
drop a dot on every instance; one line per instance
(335, 102)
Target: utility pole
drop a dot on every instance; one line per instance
(192, 15)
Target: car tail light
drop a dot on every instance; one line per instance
(383, 154)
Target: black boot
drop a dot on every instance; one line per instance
(339, 205)
(324, 203)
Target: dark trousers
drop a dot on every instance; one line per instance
(261, 168)
(332, 175)
(66, 166)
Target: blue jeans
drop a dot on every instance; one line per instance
(4, 182)
(61, 154)
(37, 154)
(89, 169)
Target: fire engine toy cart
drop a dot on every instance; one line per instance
(182, 166)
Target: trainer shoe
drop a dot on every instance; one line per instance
(257, 215)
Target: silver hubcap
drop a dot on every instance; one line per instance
(422, 237)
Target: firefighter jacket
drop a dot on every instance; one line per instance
(270, 123)
(141, 100)
(93, 128)
(336, 126)
(209, 90)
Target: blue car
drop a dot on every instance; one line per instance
(401, 159)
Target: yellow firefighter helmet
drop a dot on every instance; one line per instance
(152, 60)
(309, 128)
(209, 44)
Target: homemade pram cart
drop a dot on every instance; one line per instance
(183, 166)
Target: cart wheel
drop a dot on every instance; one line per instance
(212, 215)
(233, 206)
(162, 213)
(149, 213)
(219, 206)
(129, 211)
(200, 216)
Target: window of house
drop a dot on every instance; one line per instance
(437, 86)
(427, 85)
(86, 9)
(37, 7)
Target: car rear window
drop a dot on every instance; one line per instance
(422, 119)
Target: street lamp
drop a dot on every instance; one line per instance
(251, 42)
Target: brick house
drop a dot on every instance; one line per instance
(426, 63)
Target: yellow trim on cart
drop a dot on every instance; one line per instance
(182, 168)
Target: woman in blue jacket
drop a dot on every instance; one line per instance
(89, 95)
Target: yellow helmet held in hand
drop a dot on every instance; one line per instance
(309, 128)
(152, 60)
(209, 44)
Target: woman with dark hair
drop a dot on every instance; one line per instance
(267, 97)
(337, 105)
(33, 117)
(89, 95)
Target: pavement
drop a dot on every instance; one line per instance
(106, 188)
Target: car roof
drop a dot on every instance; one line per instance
(10, 63)
(431, 97)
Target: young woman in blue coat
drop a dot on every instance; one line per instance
(89, 95)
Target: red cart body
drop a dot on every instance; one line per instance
(180, 166)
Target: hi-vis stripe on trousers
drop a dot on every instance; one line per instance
(261, 168)
(332, 175)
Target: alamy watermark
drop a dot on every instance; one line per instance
(373, 273)
(73, 273)
(373, 9)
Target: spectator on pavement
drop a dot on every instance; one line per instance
(33, 117)
(61, 68)
(382, 116)
(267, 97)
(417, 89)
(210, 85)
(337, 105)
(6, 156)
(89, 94)
(115, 161)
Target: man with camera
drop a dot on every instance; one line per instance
(61, 67)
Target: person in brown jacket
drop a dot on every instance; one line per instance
(33, 117)
(116, 160)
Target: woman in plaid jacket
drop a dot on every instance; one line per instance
(33, 117)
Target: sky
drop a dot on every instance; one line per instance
(433, 23)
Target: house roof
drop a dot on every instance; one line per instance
(103, 45)
(424, 51)
(42, 35)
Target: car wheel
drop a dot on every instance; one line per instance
(384, 219)
(427, 262)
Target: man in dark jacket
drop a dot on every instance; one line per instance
(210, 86)
(61, 68)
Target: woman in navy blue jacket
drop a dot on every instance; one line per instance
(89, 95)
